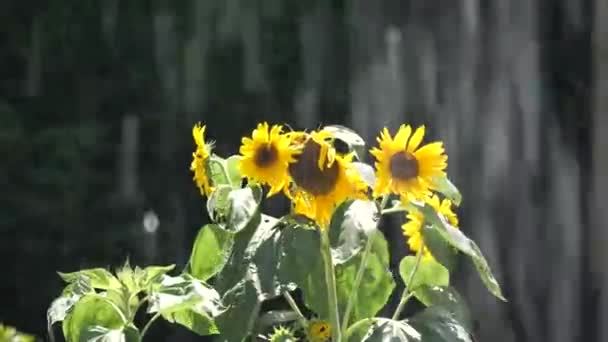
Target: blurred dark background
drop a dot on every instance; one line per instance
(97, 101)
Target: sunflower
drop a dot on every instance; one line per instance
(318, 331)
(413, 228)
(199, 160)
(404, 167)
(322, 179)
(266, 156)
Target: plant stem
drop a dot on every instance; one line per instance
(330, 281)
(359, 277)
(147, 326)
(294, 307)
(393, 210)
(406, 293)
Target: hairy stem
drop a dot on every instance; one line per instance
(147, 326)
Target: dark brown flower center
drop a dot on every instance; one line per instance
(305, 171)
(404, 166)
(265, 155)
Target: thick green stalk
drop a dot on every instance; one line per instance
(330, 281)
(406, 293)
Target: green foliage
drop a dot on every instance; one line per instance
(210, 252)
(11, 334)
(428, 272)
(373, 293)
(438, 325)
(382, 330)
(457, 239)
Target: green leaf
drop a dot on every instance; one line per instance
(438, 325)
(234, 174)
(275, 317)
(382, 330)
(99, 278)
(351, 225)
(443, 252)
(448, 189)
(216, 170)
(448, 299)
(91, 310)
(188, 302)
(374, 291)
(210, 252)
(467, 246)
(246, 242)
(429, 272)
(62, 305)
(102, 334)
(366, 172)
(173, 294)
(196, 321)
(10, 334)
(239, 319)
(218, 205)
(244, 205)
(282, 259)
(154, 273)
(351, 138)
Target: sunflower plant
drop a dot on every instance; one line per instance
(326, 248)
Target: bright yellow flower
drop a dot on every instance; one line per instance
(318, 331)
(413, 228)
(322, 179)
(266, 156)
(405, 168)
(199, 160)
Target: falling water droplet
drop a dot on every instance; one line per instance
(150, 222)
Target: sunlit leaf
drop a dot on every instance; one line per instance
(210, 252)
(443, 252)
(188, 302)
(437, 325)
(90, 311)
(216, 171)
(429, 272)
(234, 174)
(383, 330)
(351, 138)
(456, 238)
(173, 294)
(448, 189)
(375, 289)
(102, 334)
(366, 172)
(99, 278)
(351, 225)
(10, 334)
(218, 204)
(448, 299)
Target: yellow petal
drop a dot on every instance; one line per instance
(416, 139)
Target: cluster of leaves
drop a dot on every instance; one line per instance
(250, 257)
(10, 334)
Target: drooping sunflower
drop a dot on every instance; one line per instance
(404, 167)
(413, 227)
(199, 160)
(322, 179)
(266, 156)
